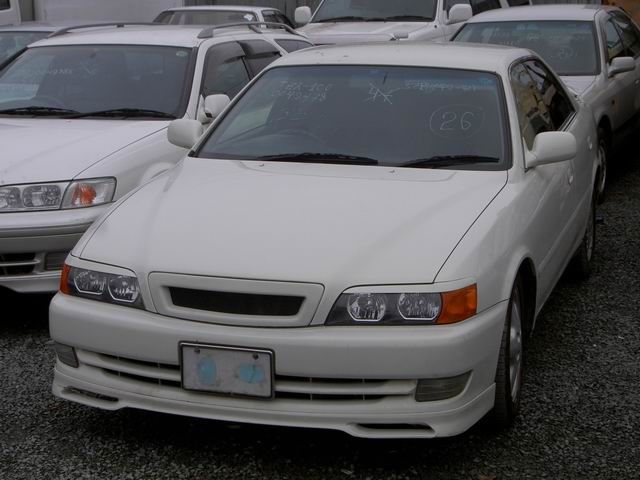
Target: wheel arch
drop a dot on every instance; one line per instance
(527, 275)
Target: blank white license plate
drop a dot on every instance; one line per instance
(227, 370)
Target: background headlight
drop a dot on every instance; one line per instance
(104, 287)
(56, 195)
(25, 198)
(89, 193)
(404, 308)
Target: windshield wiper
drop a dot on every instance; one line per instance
(124, 112)
(349, 18)
(38, 111)
(449, 161)
(417, 18)
(329, 158)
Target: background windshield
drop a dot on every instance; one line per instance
(204, 17)
(568, 47)
(358, 10)
(89, 78)
(392, 115)
(11, 42)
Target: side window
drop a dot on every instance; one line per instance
(479, 6)
(533, 115)
(615, 47)
(518, 3)
(5, 5)
(224, 70)
(276, 17)
(282, 18)
(259, 54)
(293, 45)
(629, 32)
(550, 93)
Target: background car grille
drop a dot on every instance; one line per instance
(236, 303)
(306, 389)
(17, 263)
(14, 264)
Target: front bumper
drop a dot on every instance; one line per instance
(130, 358)
(27, 239)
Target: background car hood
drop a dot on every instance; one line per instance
(294, 222)
(44, 150)
(579, 84)
(350, 32)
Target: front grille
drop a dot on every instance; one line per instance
(236, 303)
(292, 388)
(17, 263)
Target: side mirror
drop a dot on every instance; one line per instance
(302, 16)
(215, 104)
(552, 147)
(459, 13)
(184, 132)
(621, 65)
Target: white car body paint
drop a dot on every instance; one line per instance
(248, 227)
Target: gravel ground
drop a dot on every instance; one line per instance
(580, 411)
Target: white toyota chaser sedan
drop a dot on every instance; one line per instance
(594, 48)
(83, 119)
(362, 242)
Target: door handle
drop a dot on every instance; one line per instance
(570, 176)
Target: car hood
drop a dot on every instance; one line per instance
(335, 225)
(350, 32)
(579, 84)
(44, 150)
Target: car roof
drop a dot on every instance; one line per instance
(235, 8)
(463, 56)
(575, 12)
(32, 27)
(158, 35)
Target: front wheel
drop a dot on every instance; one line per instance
(509, 372)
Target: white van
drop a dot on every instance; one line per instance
(349, 21)
(9, 12)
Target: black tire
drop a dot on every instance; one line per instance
(509, 376)
(603, 152)
(581, 263)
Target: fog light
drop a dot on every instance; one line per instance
(66, 354)
(55, 261)
(434, 389)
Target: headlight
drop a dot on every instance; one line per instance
(104, 287)
(404, 308)
(56, 195)
(45, 196)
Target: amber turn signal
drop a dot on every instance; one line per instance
(458, 305)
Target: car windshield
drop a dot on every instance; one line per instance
(568, 47)
(390, 116)
(12, 42)
(204, 17)
(376, 10)
(94, 78)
